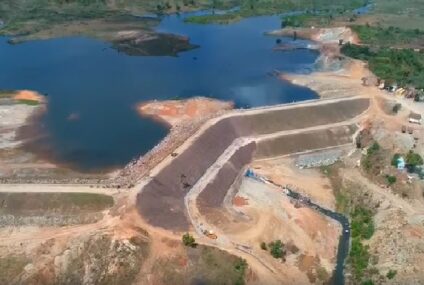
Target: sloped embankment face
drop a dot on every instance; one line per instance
(210, 201)
(214, 193)
(305, 141)
(161, 202)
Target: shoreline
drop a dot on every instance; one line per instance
(181, 127)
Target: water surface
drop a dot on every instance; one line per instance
(91, 123)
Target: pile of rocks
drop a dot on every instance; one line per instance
(139, 168)
(318, 159)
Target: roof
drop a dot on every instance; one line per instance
(415, 116)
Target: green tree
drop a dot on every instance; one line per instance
(277, 249)
(188, 240)
(413, 159)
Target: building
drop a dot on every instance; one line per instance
(401, 163)
(415, 118)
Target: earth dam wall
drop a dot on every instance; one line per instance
(161, 201)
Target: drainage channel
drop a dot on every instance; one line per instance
(343, 248)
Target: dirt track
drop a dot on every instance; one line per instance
(161, 201)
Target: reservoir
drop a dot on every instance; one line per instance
(87, 79)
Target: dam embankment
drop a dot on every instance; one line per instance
(161, 201)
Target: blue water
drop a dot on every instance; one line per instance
(101, 86)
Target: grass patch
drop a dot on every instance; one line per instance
(202, 265)
(28, 102)
(402, 66)
(6, 94)
(11, 267)
(29, 204)
(391, 274)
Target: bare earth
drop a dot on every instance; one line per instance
(175, 112)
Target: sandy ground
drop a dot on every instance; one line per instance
(29, 95)
(309, 182)
(269, 216)
(14, 115)
(175, 112)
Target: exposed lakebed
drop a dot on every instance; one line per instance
(91, 122)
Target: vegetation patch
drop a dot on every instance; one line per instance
(202, 265)
(105, 260)
(401, 66)
(250, 8)
(30, 204)
(391, 274)
(388, 37)
(11, 267)
(276, 249)
(6, 94)
(362, 228)
(28, 102)
(362, 224)
(188, 240)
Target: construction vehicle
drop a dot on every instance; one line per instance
(210, 234)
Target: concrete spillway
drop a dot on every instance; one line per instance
(161, 201)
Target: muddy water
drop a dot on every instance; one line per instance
(343, 248)
(91, 122)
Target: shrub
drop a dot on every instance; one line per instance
(395, 159)
(240, 266)
(391, 274)
(277, 249)
(362, 223)
(188, 240)
(391, 179)
(359, 257)
(373, 148)
(396, 108)
(413, 159)
(263, 246)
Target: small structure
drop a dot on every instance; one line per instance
(369, 81)
(411, 92)
(403, 129)
(419, 97)
(401, 92)
(400, 163)
(393, 88)
(415, 118)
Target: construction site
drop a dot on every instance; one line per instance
(241, 182)
(233, 141)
